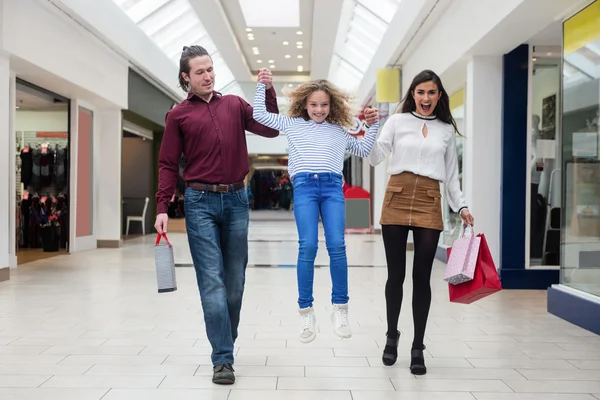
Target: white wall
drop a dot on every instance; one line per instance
(52, 51)
(42, 121)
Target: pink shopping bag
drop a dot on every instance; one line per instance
(461, 263)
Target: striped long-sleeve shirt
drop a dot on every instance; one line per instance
(313, 147)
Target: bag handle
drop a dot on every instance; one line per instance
(464, 230)
(164, 235)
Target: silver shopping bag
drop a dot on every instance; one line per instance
(165, 265)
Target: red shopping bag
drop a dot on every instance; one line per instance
(485, 281)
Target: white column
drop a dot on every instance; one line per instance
(483, 162)
(108, 201)
(6, 149)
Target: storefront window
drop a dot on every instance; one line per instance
(452, 221)
(580, 233)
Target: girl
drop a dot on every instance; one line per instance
(423, 154)
(317, 144)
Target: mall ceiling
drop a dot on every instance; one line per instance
(298, 39)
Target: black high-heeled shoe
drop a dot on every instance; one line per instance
(390, 352)
(417, 362)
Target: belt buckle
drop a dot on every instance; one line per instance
(222, 188)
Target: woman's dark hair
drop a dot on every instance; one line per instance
(442, 109)
(187, 54)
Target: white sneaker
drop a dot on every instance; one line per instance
(339, 318)
(309, 321)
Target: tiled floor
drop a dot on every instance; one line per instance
(91, 326)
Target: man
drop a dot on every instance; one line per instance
(209, 129)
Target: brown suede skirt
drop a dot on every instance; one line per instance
(412, 200)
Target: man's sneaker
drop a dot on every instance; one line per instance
(339, 318)
(223, 374)
(309, 321)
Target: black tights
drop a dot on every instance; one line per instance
(425, 244)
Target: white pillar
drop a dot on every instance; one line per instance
(7, 154)
(483, 162)
(108, 203)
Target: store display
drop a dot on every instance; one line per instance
(42, 204)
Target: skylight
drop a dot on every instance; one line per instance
(360, 33)
(271, 13)
(172, 24)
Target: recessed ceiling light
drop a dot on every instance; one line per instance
(288, 56)
(286, 43)
(290, 85)
(299, 43)
(259, 61)
(250, 37)
(272, 66)
(271, 61)
(248, 29)
(300, 56)
(299, 46)
(300, 69)
(299, 33)
(255, 51)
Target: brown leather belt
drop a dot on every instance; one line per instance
(215, 187)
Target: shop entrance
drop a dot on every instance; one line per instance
(269, 185)
(42, 173)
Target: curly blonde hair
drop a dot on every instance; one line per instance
(340, 110)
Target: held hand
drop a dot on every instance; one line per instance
(162, 221)
(265, 76)
(467, 217)
(371, 116)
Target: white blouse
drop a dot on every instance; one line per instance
(433, 156)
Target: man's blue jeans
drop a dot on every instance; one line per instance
(217, 229)
(314, 194)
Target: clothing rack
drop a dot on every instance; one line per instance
(30, 139)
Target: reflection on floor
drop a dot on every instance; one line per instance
(91, 326)
(29, 255)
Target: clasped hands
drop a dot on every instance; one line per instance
(371, 116)
(265, 76)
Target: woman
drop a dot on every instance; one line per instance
(421, 141)
(319, 115)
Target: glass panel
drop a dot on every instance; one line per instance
(144, 8)
(544, 164)
(384, 9)
(172, 24)
(345, 76)
(369, 19)
(580, 228)
(223, 75)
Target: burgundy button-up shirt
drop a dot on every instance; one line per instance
(212, 136)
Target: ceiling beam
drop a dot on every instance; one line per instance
(326, 18)
(215, 21)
